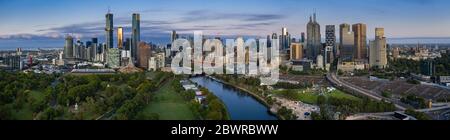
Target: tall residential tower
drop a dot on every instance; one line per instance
(346, 46)
(360, 50)
(378, 48)
(313, 40)
(135, 35)
(120, 38)
(330, 42)
(109, 30)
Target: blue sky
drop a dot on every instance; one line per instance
(86, 18)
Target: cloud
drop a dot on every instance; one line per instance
(202, 15)
(203, 20)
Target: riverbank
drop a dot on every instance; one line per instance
(273, 108)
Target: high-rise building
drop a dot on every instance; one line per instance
(330, 42)
(346, 45)
(77, 49)
(360, 50)
(319, 62)
(296, 51)
(19, 51)
(156, 62)
(285, 39)
(173, 36)
(97, 49)
(135, 35)
(302, 39)
(13, 62)
(395, 53)
(109, 30)
(313, 39)
(89, 51)
(120, 38)
(144, 55)
(427, 67)
(113, 58)
(68, 48)
(127, 44)
(378, 48)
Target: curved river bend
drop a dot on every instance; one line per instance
(240, 105)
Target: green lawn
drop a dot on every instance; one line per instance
(169, 105)
(308, 97)
(342, 95)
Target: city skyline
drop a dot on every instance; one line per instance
(248, 18)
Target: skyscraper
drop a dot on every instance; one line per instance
(173, 36)
(120, 38)
(127, 44)
(427, 67)
(346, 45)
(144, 55)
(302, 39)
(313, 39)
(330, 42)
(135, 35)
(109, 30)
(68, 47)
(360, 50)
(378, 48)
(296, 51)
(285, 39)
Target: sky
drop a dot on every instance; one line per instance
(35, 19)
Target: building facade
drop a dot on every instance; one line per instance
(296, 51)
(330, 43)
(109, 30)
(143, 55)
(346, 46)
(360, 50)
(313, 39)
(135, 35)
(120, 38)
(113, 58)
(68, 47)
(378, 50)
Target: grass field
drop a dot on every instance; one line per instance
(311, 98)
(169, 105)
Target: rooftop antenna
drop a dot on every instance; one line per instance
(314, 15)
(109, 9)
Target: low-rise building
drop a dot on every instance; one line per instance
(350, 66)
(444, 80)
(302, 65)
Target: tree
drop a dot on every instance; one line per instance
(144, 116)
(340, 72)
(417, 115)
(91, 106)
(386, 94)
(6, 112)
(214, 115)
(321, 100)
(316, 116)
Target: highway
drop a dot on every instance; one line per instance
(371, 94)
(334, 80)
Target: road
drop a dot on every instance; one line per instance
(371, 94)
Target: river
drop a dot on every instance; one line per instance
(240, 105)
